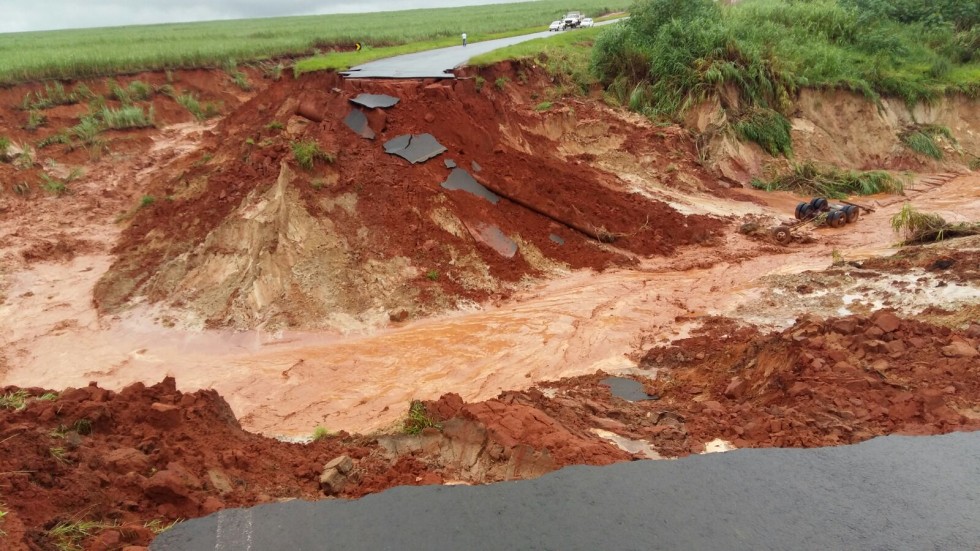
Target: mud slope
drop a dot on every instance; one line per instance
(847, 130)
(247, 238)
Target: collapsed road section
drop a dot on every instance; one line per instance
(893, 492)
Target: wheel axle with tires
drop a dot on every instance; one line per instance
(836, 215)
(817, 211)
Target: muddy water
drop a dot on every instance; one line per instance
(286, 384)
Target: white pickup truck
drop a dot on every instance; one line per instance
(572, 20)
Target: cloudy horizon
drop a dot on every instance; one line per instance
(47, 15)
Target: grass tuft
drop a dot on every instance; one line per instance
(308, 152)
(924, 140)
(418, 419)
(808, 178)
(201, 111)
(769, 129)
(132, 116)
(53, 185)
(320, 433)
(16, 400)
(158, 526)
(35, 120)
(69, 535)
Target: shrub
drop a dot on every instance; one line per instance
(308, 152)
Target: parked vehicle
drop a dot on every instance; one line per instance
(557, 26)
(572, 20)
(588, 22)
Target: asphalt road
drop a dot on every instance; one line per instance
(440, 63)
(894, 492)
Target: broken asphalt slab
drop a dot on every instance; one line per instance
(893, 492)
(461, 180)
(375, 101)
(415, 149)
(357, 121)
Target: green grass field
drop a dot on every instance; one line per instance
(85, 53)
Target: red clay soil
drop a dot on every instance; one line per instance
(394, 197)
(820, 382)
(153, 454)
(41, 225)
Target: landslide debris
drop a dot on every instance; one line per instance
(247, 238)
(128, 462)
(144, 457)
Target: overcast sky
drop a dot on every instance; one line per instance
(38, 15)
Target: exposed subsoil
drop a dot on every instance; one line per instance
(392, 239)
(364, 285)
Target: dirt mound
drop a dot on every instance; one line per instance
(820, 382)
(390, 238)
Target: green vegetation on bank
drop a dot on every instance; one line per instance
(755, 55)
(85, 53)
(922, 227)
(566, 57)
(808, 178)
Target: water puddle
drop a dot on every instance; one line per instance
(627, 389)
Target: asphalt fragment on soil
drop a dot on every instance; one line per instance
(461, 180)
(374, 101)
(493, 237)
(357, 121)
(415, 149)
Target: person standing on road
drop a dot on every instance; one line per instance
(464, 40)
